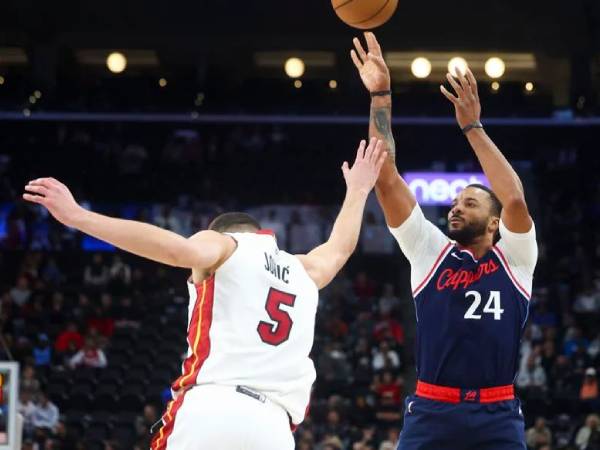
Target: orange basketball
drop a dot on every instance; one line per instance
(364, 14)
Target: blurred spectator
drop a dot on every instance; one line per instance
(375, 237)
(46, 413)
(120, 275)
(388, 389)
(29, 384)
(588, 393)
(42, 351)
(21, 292)
(388, 302)
(69, 338)
(391, 441)
(588, 436)
(573, 340)
(303, 237)
(26, 407)
(96, 274)
(102, 316)
(588, 302)
(89, 356)
(533, 377)
(364, 287)
(52, 273)
(539, 434)
(385, 357)
(273, 222)
(387, 327)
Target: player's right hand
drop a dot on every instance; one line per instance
(365, 170)
(371, 65)
(56, 197)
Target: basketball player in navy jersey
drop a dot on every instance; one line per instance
(471, 288)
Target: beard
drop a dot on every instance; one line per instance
(468, 233)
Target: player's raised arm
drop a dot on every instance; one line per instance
(393, 193)
(504, 180)
(325, 261)
(202, 251)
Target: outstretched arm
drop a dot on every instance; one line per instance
(505, 182)
(202, 251)
(324, 262)
(393, 193)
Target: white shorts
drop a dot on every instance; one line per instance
(212, 417)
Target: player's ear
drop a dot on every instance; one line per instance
(493, 224)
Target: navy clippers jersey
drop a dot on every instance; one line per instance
(470, 313)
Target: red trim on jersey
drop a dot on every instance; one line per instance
(266, 231)
(294, 427)
(465, 249)
(510, 274)
(198, 334)
(454, 395)
(433, 268)
(159, 442)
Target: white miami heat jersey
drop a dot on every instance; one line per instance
(252, 324)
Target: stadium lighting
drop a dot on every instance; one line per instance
(495, 67)
(1, 80)
(297, 84)
(333, 84)
(457, 63)
(294, 67)
(495, 86)
(529, 86)
(162, 82)
(421, 67)
(37, 94)
(116, 62)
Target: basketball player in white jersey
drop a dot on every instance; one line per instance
(247, 378)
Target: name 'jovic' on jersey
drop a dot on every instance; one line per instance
(470, 313)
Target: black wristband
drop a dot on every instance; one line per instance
(476, 124)
(380, 93)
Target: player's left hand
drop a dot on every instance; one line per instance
(466, 101)
(56, 197)
(367, 165)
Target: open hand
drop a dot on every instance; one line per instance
(365, 170)
(466, 101)
(371, 66)
(56, 197)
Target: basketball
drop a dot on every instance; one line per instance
(364, 14)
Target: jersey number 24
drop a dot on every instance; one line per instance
(492, 306)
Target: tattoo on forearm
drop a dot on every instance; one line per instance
(381, 119)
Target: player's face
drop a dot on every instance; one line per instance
(469, 217)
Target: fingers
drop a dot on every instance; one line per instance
(345, 169)
(370, 149)
(463, 81)
(472, 82)
(34, 198)
(360, 153)
(377, 150)
(357, 62)
(448, 95)
(381, 161)
(372, 44)
(37, 189)
(457, 88)
(359, 49)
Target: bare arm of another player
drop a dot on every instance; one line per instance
(504, 180)
(393, 193)
(324, 262)
(202, 251)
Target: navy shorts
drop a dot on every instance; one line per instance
(434, 425)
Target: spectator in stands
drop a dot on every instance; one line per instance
(272, 222)
(362, 413)
(96, 274)
(588, 435)
(367, 439)
(42, 351)
(533, 377)
(588, 302)
(26, 407)
(391, 441)
(387, 327)
(89, 356)
(120, 276)
(588, 393)
(385, 357)
(594, 350)
(102, 316)
(46, 413)
(539, 434)
(68, 339)
(388, 302)
(573, 340)
(29, 383)
(364, 288)
(51, 273)
(388, 389)
(21, 292)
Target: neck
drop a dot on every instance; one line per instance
(479, 246)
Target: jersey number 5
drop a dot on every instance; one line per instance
(278, 333)
(492, 306)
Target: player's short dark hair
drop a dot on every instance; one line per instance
(234, 221)
(496, 206)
